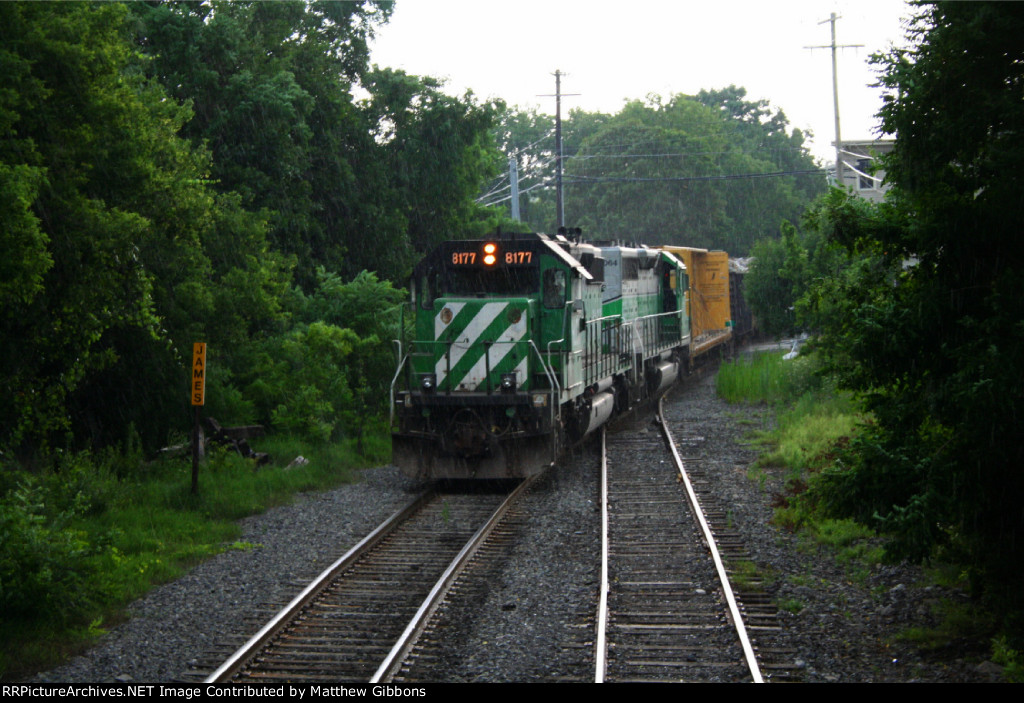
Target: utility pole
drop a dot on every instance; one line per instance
(513, 175)
(835, 90)
(559, 200)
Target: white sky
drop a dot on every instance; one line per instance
(614, 51)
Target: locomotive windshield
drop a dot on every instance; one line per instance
(499, 282)
(479, 283)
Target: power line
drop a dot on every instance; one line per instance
(499, 188)
(586, 157)
(683, 179)
(594, 180)
(521, 191)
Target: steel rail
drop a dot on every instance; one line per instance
(419, 621)
(255, 643)
(601, 654)
(737, 617)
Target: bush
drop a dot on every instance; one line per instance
(43, 566)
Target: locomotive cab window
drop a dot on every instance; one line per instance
(490, 282)
(554, 288)
(425, 291)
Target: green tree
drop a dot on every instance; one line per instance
(701, 172)
(528, 137)
(271, 88)
(774, 283)
(937, 348)
(124, 254)
(805, 280)
(329, 376)
(638, 159)
(438, 151)
(90, 163)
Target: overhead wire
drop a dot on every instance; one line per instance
(503, 185)
(724, 177)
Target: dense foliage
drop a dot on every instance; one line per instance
(348, 185)
(712, 170)
(175, 172)
(924, 316)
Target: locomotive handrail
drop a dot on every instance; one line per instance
(638, 341)
(594, 342)
(560, 341)
(565, 329)
(549, 372)
(394, 380)
(565, 336)
(648, 334)
(555, 341)
(556, 404)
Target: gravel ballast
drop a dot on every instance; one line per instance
(531, 622)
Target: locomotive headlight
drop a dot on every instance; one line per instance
(428, 382)
(508, 382)
(490, 253)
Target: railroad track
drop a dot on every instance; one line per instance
(666, 611)
(359, 618)
(776, 655)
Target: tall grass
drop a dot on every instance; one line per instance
(811, 415)
(811, 418)
(807, 430)
(765, 378)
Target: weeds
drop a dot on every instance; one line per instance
(1012, 660)
(745, 576)
(790, 605)
(958, 620)
(814, 426)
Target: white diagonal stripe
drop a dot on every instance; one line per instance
(521, 369)
(467, 338)
(499, 350)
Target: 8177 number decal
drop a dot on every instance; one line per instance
(518, 257)
(512, 258)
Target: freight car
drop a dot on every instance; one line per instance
(524, 343)
(710, 299)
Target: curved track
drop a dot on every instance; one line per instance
(667, 612)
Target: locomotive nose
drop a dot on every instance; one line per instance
(469, 434)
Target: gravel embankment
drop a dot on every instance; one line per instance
(531, 623)
(847, 618)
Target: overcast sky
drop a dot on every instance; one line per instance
(614, 51)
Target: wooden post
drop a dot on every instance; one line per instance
(197, 386)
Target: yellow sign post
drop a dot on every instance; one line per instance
(198, 373)
(197, 390)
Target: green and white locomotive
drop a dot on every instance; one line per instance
(523, 343)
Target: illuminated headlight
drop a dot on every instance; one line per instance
(490, 254)
(508, 382)
(540, 400)
(428, 382)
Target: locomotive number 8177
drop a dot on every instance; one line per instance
(523, 343)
